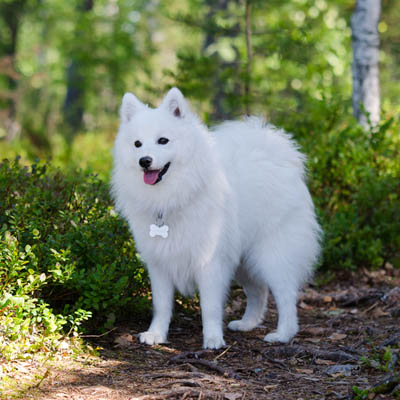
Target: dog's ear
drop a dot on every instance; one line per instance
(130, 106)
(175, 103)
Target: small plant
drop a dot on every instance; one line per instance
(360, 394)
(385, 361)
(355, 182)
(65, 258)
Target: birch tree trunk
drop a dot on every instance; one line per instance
(364, 25)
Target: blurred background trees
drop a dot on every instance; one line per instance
(65, 65)
(69, 63)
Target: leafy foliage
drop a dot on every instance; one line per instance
(299, 50)
(356, 187)
(64, 254)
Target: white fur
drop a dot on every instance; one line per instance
(236, 205)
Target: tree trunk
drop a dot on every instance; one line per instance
(75, 98)
(218, 112)
(249, 57)
(11, 13)
(364, 25)
(221, 110)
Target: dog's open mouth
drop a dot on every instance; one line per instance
(151, 177)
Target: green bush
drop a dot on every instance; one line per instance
(355, 182)
(89, 151)
(64, 253)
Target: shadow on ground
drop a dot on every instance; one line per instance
(349, 337)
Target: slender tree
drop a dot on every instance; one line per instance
(220, 111)
(11, 13)
(249, 56)
(364, 25)
(75, 97)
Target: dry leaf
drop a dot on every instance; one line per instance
(327, 299)
(311, 295)
(305, 306)
(378, 312)
(269, 387)
(320, 361)
(233, 396)
(304, 371)
(337, 370)
(337, 336)
(124, 340)
(312, 340)
(315, 331)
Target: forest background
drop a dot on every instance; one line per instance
(65, 65)
(65, 256)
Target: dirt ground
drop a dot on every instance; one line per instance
(350, 336)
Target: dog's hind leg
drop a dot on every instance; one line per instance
(285, 296)
(256, 307)
(278, 270)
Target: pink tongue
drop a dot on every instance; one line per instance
(150, 177)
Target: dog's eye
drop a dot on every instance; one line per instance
(163, 140)
(138, 143)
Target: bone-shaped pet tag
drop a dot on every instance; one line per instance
(156, 230)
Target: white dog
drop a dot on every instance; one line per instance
(206, 208)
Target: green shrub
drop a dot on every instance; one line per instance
(355, 182)
(64, 254)
(89, 151)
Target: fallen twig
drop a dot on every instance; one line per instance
(190, 354)
(299, 351)
(182, 382)
(45, 375)
(186, 392)
(371, 307)
(101, 335)
(209, 364)
(225, 351)
(355, 300)
(280, 364)
(186, 375)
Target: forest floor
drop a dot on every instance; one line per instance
(349, 337)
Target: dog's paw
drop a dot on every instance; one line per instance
(274, 337)
(213, 342)
(151, 338)
(240, 325)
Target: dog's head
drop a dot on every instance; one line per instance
(155, 144)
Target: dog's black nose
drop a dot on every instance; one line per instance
(145, 162)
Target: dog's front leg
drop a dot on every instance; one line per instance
(162, 292)
(212, 297)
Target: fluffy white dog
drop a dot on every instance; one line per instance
(206, 208)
